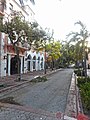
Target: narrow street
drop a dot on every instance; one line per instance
(50, 95)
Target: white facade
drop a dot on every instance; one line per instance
(2, 55)
(30, 60)
(26, 10)
(35, 61)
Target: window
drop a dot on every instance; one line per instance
(11, 7)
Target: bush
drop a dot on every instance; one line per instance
(85, 95)
(78, 72)
(84, 86)
(82, 80)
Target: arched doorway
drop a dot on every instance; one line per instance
(29, 62)
(34, 62)
(14, 65)
(42, 63)
(38, 63)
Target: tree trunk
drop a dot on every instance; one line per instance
(19, 62)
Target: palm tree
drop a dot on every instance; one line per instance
(80, 38)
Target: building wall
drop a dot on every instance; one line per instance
(30, 60)
(37, 59)
(39, 63)
(3, 55)
(12, 5)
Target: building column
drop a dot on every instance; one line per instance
(9, 64)
(36, 65)
(40, 64)
(25, 65)
(43, 64)
(21, 65)
(31, 65)
(2, 55)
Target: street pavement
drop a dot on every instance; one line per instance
(29, 109)
(64, 108)
(42, 97)
(50, 95)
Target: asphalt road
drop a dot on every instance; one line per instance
(50, 95)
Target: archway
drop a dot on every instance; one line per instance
(29, 62)
(34, 62)
(42, 63)
(14, 65)
(38, 63)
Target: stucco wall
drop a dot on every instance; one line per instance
(2, 55)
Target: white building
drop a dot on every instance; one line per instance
(21, 6)
(30, 60)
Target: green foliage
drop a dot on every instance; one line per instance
(1, 23)
(53, 50)
(67, 54)
(85, 94)
(78, 38)
(78, 72)
(82, 80)
(84, 86)
(17, 26)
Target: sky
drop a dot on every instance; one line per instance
(61, 15)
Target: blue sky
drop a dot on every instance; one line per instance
(61, 15)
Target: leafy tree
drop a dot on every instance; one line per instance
(67, 54)
(79, 38)
(20, 31)
(53, 50)
(17, 30)
(37, 36)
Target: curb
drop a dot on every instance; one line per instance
(71, 107)
(79, 103)
(74, 105)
